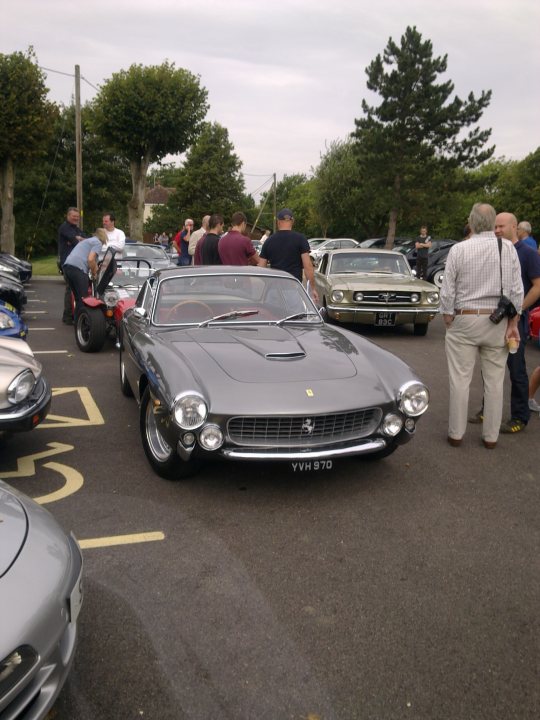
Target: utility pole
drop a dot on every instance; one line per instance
(78, 142)
(275, 204)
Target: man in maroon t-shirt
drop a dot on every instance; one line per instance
(234, 247)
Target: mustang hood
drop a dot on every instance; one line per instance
(381, 282)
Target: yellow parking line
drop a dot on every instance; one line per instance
(121, 540)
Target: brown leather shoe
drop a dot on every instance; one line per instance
(454, 442)
(490, 444)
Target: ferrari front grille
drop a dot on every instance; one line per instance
(303, 430)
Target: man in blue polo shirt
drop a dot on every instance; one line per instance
(506, 227)
(524, 234)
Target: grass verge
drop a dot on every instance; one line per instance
(45, 266)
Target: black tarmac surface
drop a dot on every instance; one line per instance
(405, 588)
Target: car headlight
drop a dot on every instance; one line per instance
(415, 297)
(211, 437)
(337, 295)
(111, 298)
(6, 322)
(433, 297)
(413, 398)
(392, 424)
(21, 387)
(358, 296)
(190, 411)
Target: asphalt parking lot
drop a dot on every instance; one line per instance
(405, 588)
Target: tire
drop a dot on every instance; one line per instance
(90, 329)
(163, 458)
(437, 278)
(125, 387)
(420, 329)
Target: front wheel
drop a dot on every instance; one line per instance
(90, 329)
(438, 277)
(420, 329)
(162, 457)
(125, 387)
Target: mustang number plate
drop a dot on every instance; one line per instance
(385, 318)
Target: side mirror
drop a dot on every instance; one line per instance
(140, 312)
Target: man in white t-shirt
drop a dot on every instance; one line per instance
(116, 237)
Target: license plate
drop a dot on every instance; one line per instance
(385, 318)
(311, 465)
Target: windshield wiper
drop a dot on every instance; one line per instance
(296, 316)
(226, 316)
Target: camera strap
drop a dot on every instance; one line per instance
(499, 243)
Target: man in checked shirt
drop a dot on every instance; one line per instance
(469, 295)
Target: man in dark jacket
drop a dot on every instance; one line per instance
(69, 234)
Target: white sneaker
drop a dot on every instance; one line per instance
(533, 405)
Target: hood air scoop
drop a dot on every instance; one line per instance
(285, 355)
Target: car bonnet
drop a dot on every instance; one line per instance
(13, 529)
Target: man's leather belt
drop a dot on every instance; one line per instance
(481, 311)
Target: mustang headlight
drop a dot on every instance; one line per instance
(433, 297)
(413, 398)
(337, 295)
(415, 297)
(190, 411)
(6, 322)
(21, 387)
(111, 298)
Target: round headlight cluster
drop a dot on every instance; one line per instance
(110, 298)
(433, 297)
(190, 411)
(392, 424)
(337, 296)
(413, 398)
(21, 387)
(358, 296)
(415, 297)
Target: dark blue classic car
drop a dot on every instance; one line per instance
(237, 363)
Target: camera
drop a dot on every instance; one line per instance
(505, 308)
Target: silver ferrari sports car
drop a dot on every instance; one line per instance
(237, 363)
(40, 599)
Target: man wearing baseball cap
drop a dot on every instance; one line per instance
(289, 250)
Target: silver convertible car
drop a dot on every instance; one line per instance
(236, 363)
(40, 599)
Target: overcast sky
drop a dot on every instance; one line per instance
(287, 77)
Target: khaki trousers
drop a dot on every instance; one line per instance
(467, 337)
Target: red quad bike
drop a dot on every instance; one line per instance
(114, 291)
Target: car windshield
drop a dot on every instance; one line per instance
(151, 252)
(379, 263)
(225, 299)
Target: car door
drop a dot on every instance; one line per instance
(322, 280)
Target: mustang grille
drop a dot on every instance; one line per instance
(304, 430)
(384, 297)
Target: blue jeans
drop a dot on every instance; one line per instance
(184, 260)
(519, 396)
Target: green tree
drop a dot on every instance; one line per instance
(519, 190)
(25, 120)
(47, 187)
(405, 141)
(210, 181)
(144, 114)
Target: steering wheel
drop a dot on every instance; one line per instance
(183, 303)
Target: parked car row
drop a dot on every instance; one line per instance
(40, 565)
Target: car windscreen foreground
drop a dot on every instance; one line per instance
(214, 298)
